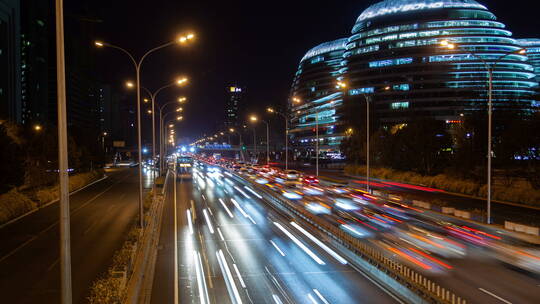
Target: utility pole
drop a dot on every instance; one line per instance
(65, 242)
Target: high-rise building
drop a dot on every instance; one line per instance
(532, 46)
(396, 44)
(315, 100)
(234, 99)
(10, 60)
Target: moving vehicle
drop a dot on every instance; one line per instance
(184, 166)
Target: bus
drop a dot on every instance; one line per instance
(184, 166)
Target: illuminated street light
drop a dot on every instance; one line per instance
(489, 68)
(179, 118)
(341, 85)
(130, 84)
(296, 99)
(180, 109)
(182, 99)
(37, 128)
(181, 81)
(171, 126)
(137, 64)
(254, 119)
(149, 111)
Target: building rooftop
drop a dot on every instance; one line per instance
(400, 6)
(326, 47)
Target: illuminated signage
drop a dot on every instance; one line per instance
(235, 89)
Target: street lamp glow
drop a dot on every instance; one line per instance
(180, 109)
(181, 99)
(98, 43)
(171, 126)
(145, 100)
(296, 99)
(231, 130)
(253, 118)
(181, 81)
(186, 38)
(130, 84)
(37, 128)
(341, 85)
(270, 110)
(179, 118)
(149, 111)
(221, 133)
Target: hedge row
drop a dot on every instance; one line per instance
(523, 193)
(15, 203)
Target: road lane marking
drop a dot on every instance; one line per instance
(300, 244)
(495, 296)
(176, 242)
(208, 221)
(320, 296)
(323, 246)
(226, 208)
(312, 299)
(277, 248)
(228, 276)
(239, 276)
(220, 234)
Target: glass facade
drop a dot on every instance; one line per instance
(314, 86)
(396, 44)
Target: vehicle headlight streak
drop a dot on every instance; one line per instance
(300, 244)
(253, 191)
(242, 211)
(323, 246)
(228, 276)
(201, 281)
(226, 208)
(242, 191)
(208, 221)
(189, 221)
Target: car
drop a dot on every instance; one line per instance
(309, 180)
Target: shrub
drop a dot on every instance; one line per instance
(13, 204)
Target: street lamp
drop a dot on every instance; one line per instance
(137, 65)
(37, 128)
(254, 119)
(298, 100)
(180, 82)
(271, 110)
(161, 128)
(489, 68)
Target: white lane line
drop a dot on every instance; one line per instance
(176, 242)
(253, 191)
(220, 234)
(239, 208)
(277, 248)
(199, 277)
(204, 279)
(276, 299)
(243, 193)
(228, 276)
(323, 246)
(208, 221)
(300, 244)
(312, 299)
(239, 275)
(226, 208)
(495, 296)
(189, 221)
(320, 296)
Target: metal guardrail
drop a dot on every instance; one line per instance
(427, 289)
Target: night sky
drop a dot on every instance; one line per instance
(254, 44)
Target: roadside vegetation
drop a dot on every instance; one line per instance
(29, 173)
(451, 156)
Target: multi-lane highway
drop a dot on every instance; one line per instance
(101, 214)
(230, 228)
(234, 249)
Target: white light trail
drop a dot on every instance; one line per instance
(323, 246)
(199, 277)
(277, 248)
(243, 193)
(312, 298)
(228, 275)
(189, 221)
(202, 195)
(208, 221)
(203, 278)
(239, 275)
(300, 244)
(220, 234)
(239, 208)
(276, 299)
(253, 191)
(227, 173)
(320, 296)
(226, 208)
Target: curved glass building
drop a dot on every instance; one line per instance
(532, 46)
(314, 96)
(395, 44)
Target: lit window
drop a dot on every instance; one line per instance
(399, 105)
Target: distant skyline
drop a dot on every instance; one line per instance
(254, 46)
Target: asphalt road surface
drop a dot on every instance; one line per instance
(101, 215)
(232, 249)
